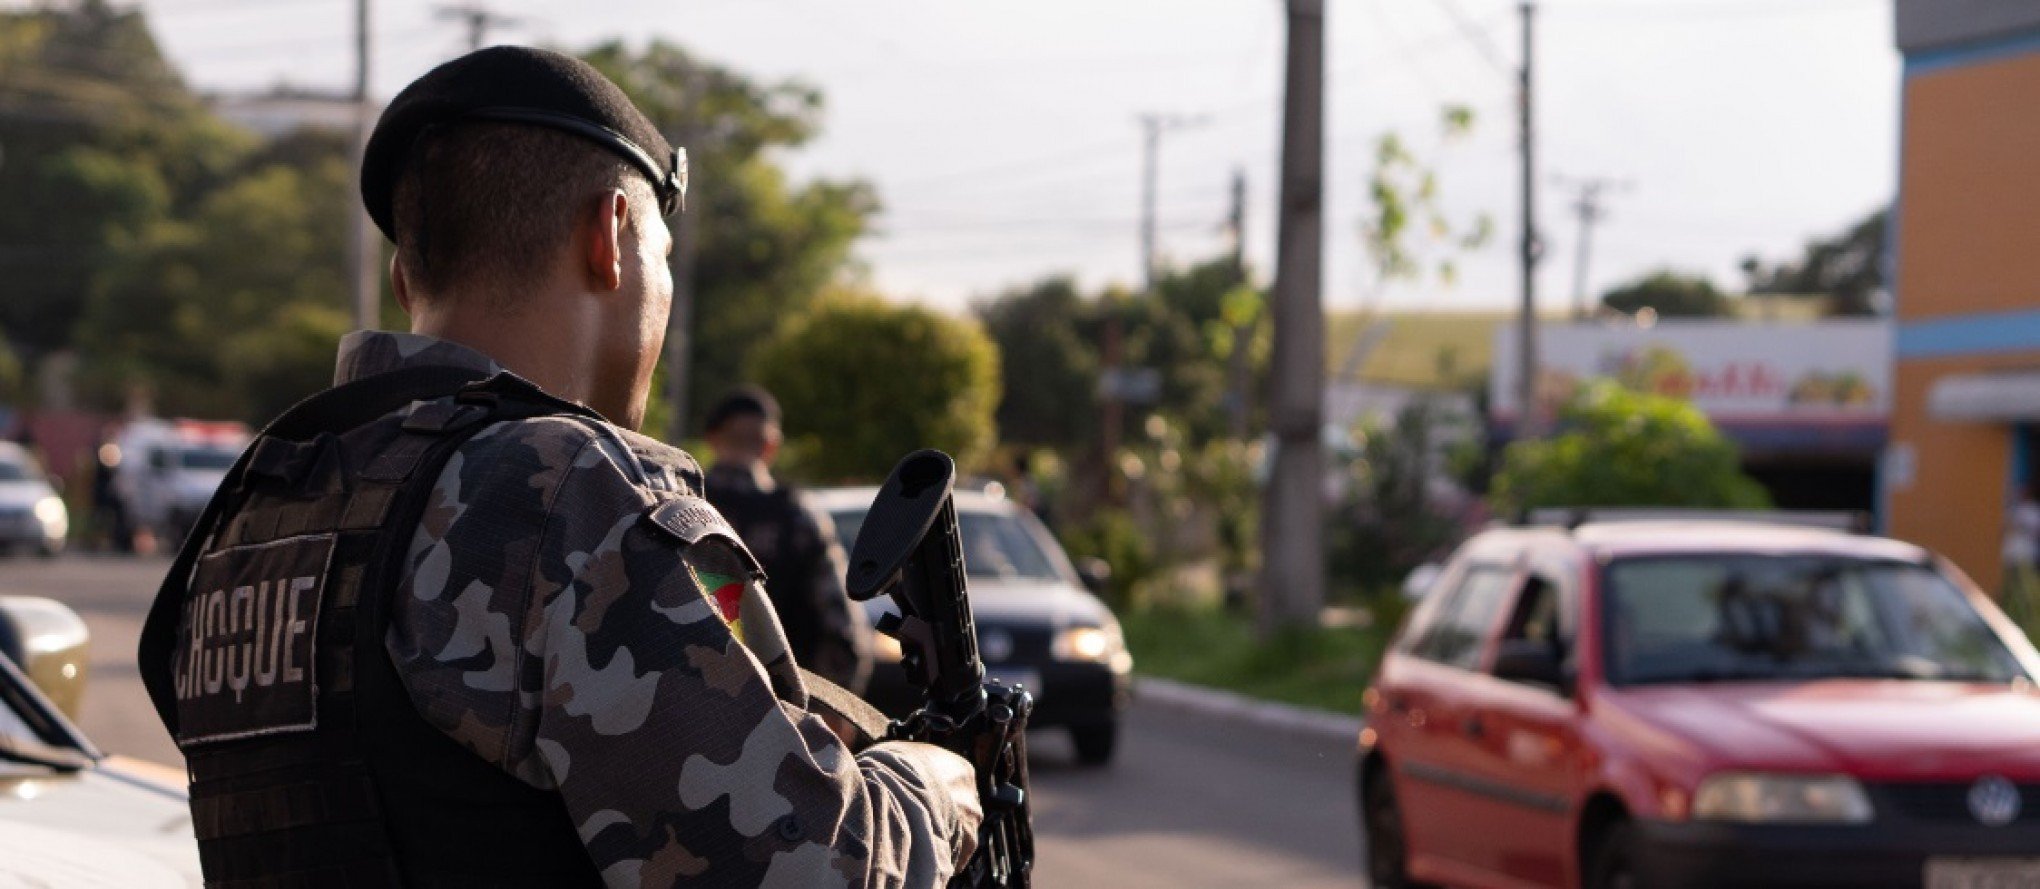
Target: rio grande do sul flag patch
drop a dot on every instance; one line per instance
(726, 593)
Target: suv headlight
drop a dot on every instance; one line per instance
(1094, 644)
(50, 511)
(1775, 799)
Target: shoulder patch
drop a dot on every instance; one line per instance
(692, 519)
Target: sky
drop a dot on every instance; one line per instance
(1002, 137)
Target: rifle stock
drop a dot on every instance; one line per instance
(910, 548)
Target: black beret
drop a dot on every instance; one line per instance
(516, 84)
(743, 401)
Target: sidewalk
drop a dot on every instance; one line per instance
(1268, 715)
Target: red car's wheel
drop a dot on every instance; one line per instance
(1387, 845)
(1613, 865)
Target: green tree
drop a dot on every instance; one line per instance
(99, 138)
(1406, 231)
(1048, 371)
(234, 310)
(863, 383)
(1670, 295)
(1625, 448)
(767, 247)
(1848, 270)
(10, 372)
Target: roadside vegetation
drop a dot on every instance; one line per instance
(1324, 668)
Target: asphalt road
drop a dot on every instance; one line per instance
(1187, 804)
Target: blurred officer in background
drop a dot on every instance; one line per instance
(804, 562)
(455, 623)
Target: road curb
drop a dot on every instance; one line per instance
(1232, 706)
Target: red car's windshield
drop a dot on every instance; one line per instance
(1735, 617)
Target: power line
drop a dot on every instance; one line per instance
(1152, 127)
(214, 6)
(478, 18)
(1715, 9)
(1475, 35)
(1088, 224)
(1587, 194)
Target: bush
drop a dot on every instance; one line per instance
(863, 383)
(1624, 448)
(1112, 535)
(1388, 524)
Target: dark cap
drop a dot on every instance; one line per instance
(516, 84)
(743, 401)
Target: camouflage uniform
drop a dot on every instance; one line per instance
(797, 545)
(545, 626)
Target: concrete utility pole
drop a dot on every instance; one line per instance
(1528, 423)
(1152, 127)
(364, 242)
(478, 18)
(1292, 524)
(1587, 205)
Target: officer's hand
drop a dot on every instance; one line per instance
(952, 784)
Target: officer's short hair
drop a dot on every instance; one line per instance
(489, 205)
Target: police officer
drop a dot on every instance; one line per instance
(455, 623)
(797, 546)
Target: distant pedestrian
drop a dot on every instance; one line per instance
(803, 560)
(109, 515)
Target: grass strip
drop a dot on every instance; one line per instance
(1323, 668)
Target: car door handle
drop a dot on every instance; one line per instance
(1474, 727)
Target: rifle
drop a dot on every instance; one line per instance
(909, 548)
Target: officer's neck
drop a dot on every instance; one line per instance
(560, 355)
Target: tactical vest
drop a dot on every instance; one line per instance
(264, 654)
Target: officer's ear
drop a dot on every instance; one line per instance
(604, 231)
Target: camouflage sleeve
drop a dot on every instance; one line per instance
(843, 651)
(549, 627)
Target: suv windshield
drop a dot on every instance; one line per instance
(995, 545)
(1728, 617)
(207, 458)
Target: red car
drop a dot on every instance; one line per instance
(1664, 704)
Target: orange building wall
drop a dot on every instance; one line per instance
(1969, 193)
(1968, 243)
(1955, 503)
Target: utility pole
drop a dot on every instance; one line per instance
(478, 18)
(1528, 423)
(1240, 369)
(364, 242)
(1114, 381)
(1152, 127)
(1292, 527)
(1587, 204)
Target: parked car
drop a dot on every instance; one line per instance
(70, 815)
(32, 517)
(1665, 704)
(169, 470)
(1037, 625)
